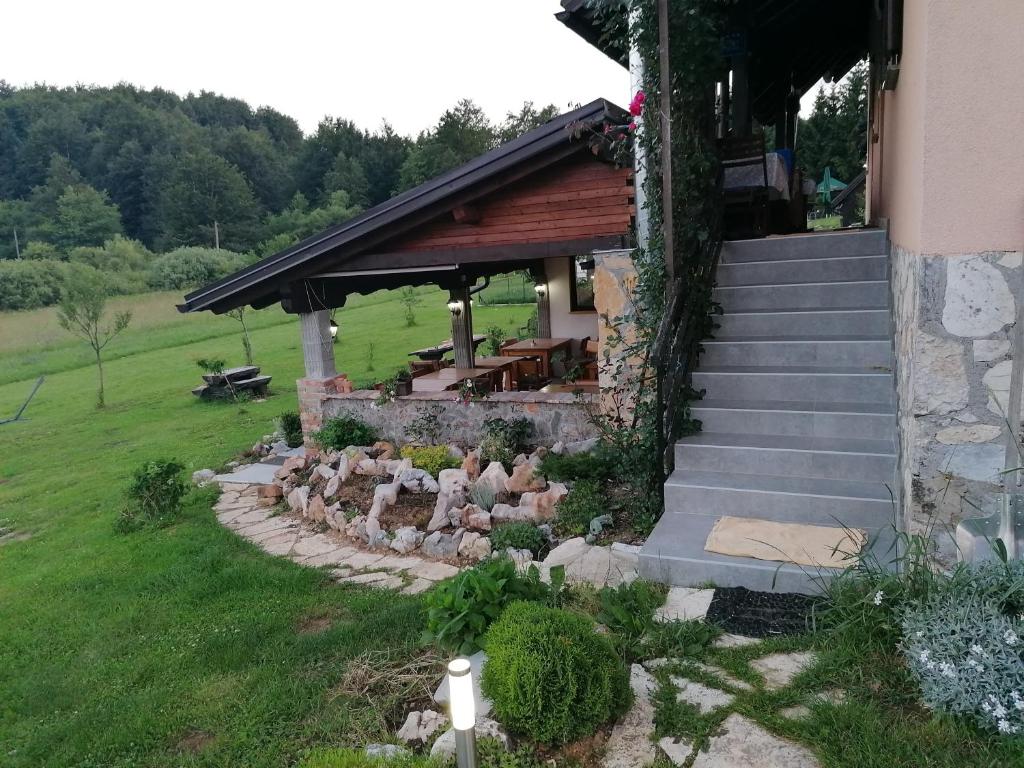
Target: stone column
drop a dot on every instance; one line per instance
(317, 345)
(462, 328)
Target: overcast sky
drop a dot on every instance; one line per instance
(400, 60)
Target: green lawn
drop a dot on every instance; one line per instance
(186, 645)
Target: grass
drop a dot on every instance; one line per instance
(828, 222)
(183, 646)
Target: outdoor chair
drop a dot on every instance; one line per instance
(527, 375)
(746, 205)
(423, 367)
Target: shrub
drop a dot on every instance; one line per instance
(191, 266)
(582, 504)
(495, 335)
(154, 494)
(459, 611)
(483, 495)
(518, 535)
(30, 284)
(966, 647)
(628, 609)
(431, 458)
(503, 439)
(599, 465)
(550, 675)
(290, 425)
(343, 431)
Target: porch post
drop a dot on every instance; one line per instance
(317, 345)
(636, 79)
(462, 327)
(740, 96)
(540, 277)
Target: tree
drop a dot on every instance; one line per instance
(835, 134)
(298, 220)
(347, 175)
(239, 315)
(409, 300)
(81, 310)
(526, 119)
(462, 133)
(85, 216)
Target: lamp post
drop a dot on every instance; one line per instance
(460, 690)
(455, 307)
(541, 290)
(334, 330)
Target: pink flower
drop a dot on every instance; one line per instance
(636, 106)
(632, 125)
(607, 128)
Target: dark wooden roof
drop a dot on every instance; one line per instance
(791, 43)
(274, 278)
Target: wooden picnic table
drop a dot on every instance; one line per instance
(231, 374)
(446, 346)
(504, 363)
(450, 378)
(540, 348)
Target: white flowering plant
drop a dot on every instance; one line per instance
(965, 646)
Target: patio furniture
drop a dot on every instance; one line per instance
(745, 184)
(527, 375)
(540, 348)
(420, 367)
(502, 363)
(452, 378)
(446, 346)
(232, 381)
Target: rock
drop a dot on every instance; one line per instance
(676, 750)
(455, 452)
(407, 539)
(369, 467)
(442, 545)
(981, 462)
(630, 745)
(521, 557)
(440, 519)
(453, 481)
(471, 465)
(558, 448)
(997, 383)
(332, 487)
(418, 481)
(474, 546)
(420, 726)
(741, 742)
(478, 520)
(940, 376)
(1012, 260)
(978, 300)
(685, 604)
(730, 640)
(356, 529)
(410, 730)
(505, 513)
(298, 500)
(384, 496)
(523, 479)
(976, 433)
(544, 502)
(568, 551)
(395, 467)
(379, 540)
(324, 471)
(270, 491)
(494, 477)
(344, 467)
(987, 350)
(202, 477)
(294, 464)
(315, 510)
(703, 697)
(279, 446)
(582, 446)
(385, 751)
(519, 460)
(599, 523)
(444, 748)
(335, 517)
(779, 669)
(384, 449)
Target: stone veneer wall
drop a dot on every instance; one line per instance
(555, 415)
(614, 283)
(953, 318)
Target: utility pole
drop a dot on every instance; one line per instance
(216, 235)
(665, 109)
(17, 247)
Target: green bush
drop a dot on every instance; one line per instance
(343, 431)
(503, 439)
(430, 458)
(518, 535)
(154, 494)
(290, 425)
(550, 675)
(459, 611)
(599, 465)
(582, 504)
(356, 758)
(190, 267)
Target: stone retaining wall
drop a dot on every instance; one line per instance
(954, 317)
(555, 416)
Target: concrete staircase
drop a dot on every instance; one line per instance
(799, 415)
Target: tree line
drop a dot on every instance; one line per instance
(157, 190)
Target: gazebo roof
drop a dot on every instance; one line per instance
(355, 245)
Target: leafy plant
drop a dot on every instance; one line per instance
(430, 458)
(550, 675)
(409, 299)
(581, 505)
(483, 496)
(343, 431)
(675, 639)
(503, 439)
(154, 494)
(518, 535)
(495, 335)
(290, 424)
(459, 611)
(599, 465)
(628, 609)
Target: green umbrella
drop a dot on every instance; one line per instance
(829, 185)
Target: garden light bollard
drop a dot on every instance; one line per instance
(463, 705)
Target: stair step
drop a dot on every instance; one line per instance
(872, 421)
(813, 500)
(843, 269)
(805, 383)
(858, 294)
(804, 322)
(819, 245)
(674, 554)
(801, 456)
(811, 350)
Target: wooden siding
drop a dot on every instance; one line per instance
(580, 198)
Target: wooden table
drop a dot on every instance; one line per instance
(542, 348)
(504, 363)
(446, 346)
(450, 378)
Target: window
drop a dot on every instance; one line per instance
(581, 283)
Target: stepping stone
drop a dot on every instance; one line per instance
(418, 586)
(226, 517)
(799, 712)
(281, 544)
(273, 524)
(676, 750)
(248, 518)
(317, 544)
(378, 579)
(833, 696)
(779, 669)
(234, 487)
(334, 557)
(742, 742)
(251, 474)
(735, 682)
(398, 564)
(703, 697)
(361, 560)
(685, 604)
(259, 538)
(433, 571)
(630, 744)
(729, 640)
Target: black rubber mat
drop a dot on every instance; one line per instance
(761, 614)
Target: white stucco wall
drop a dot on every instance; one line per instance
(565, 323)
